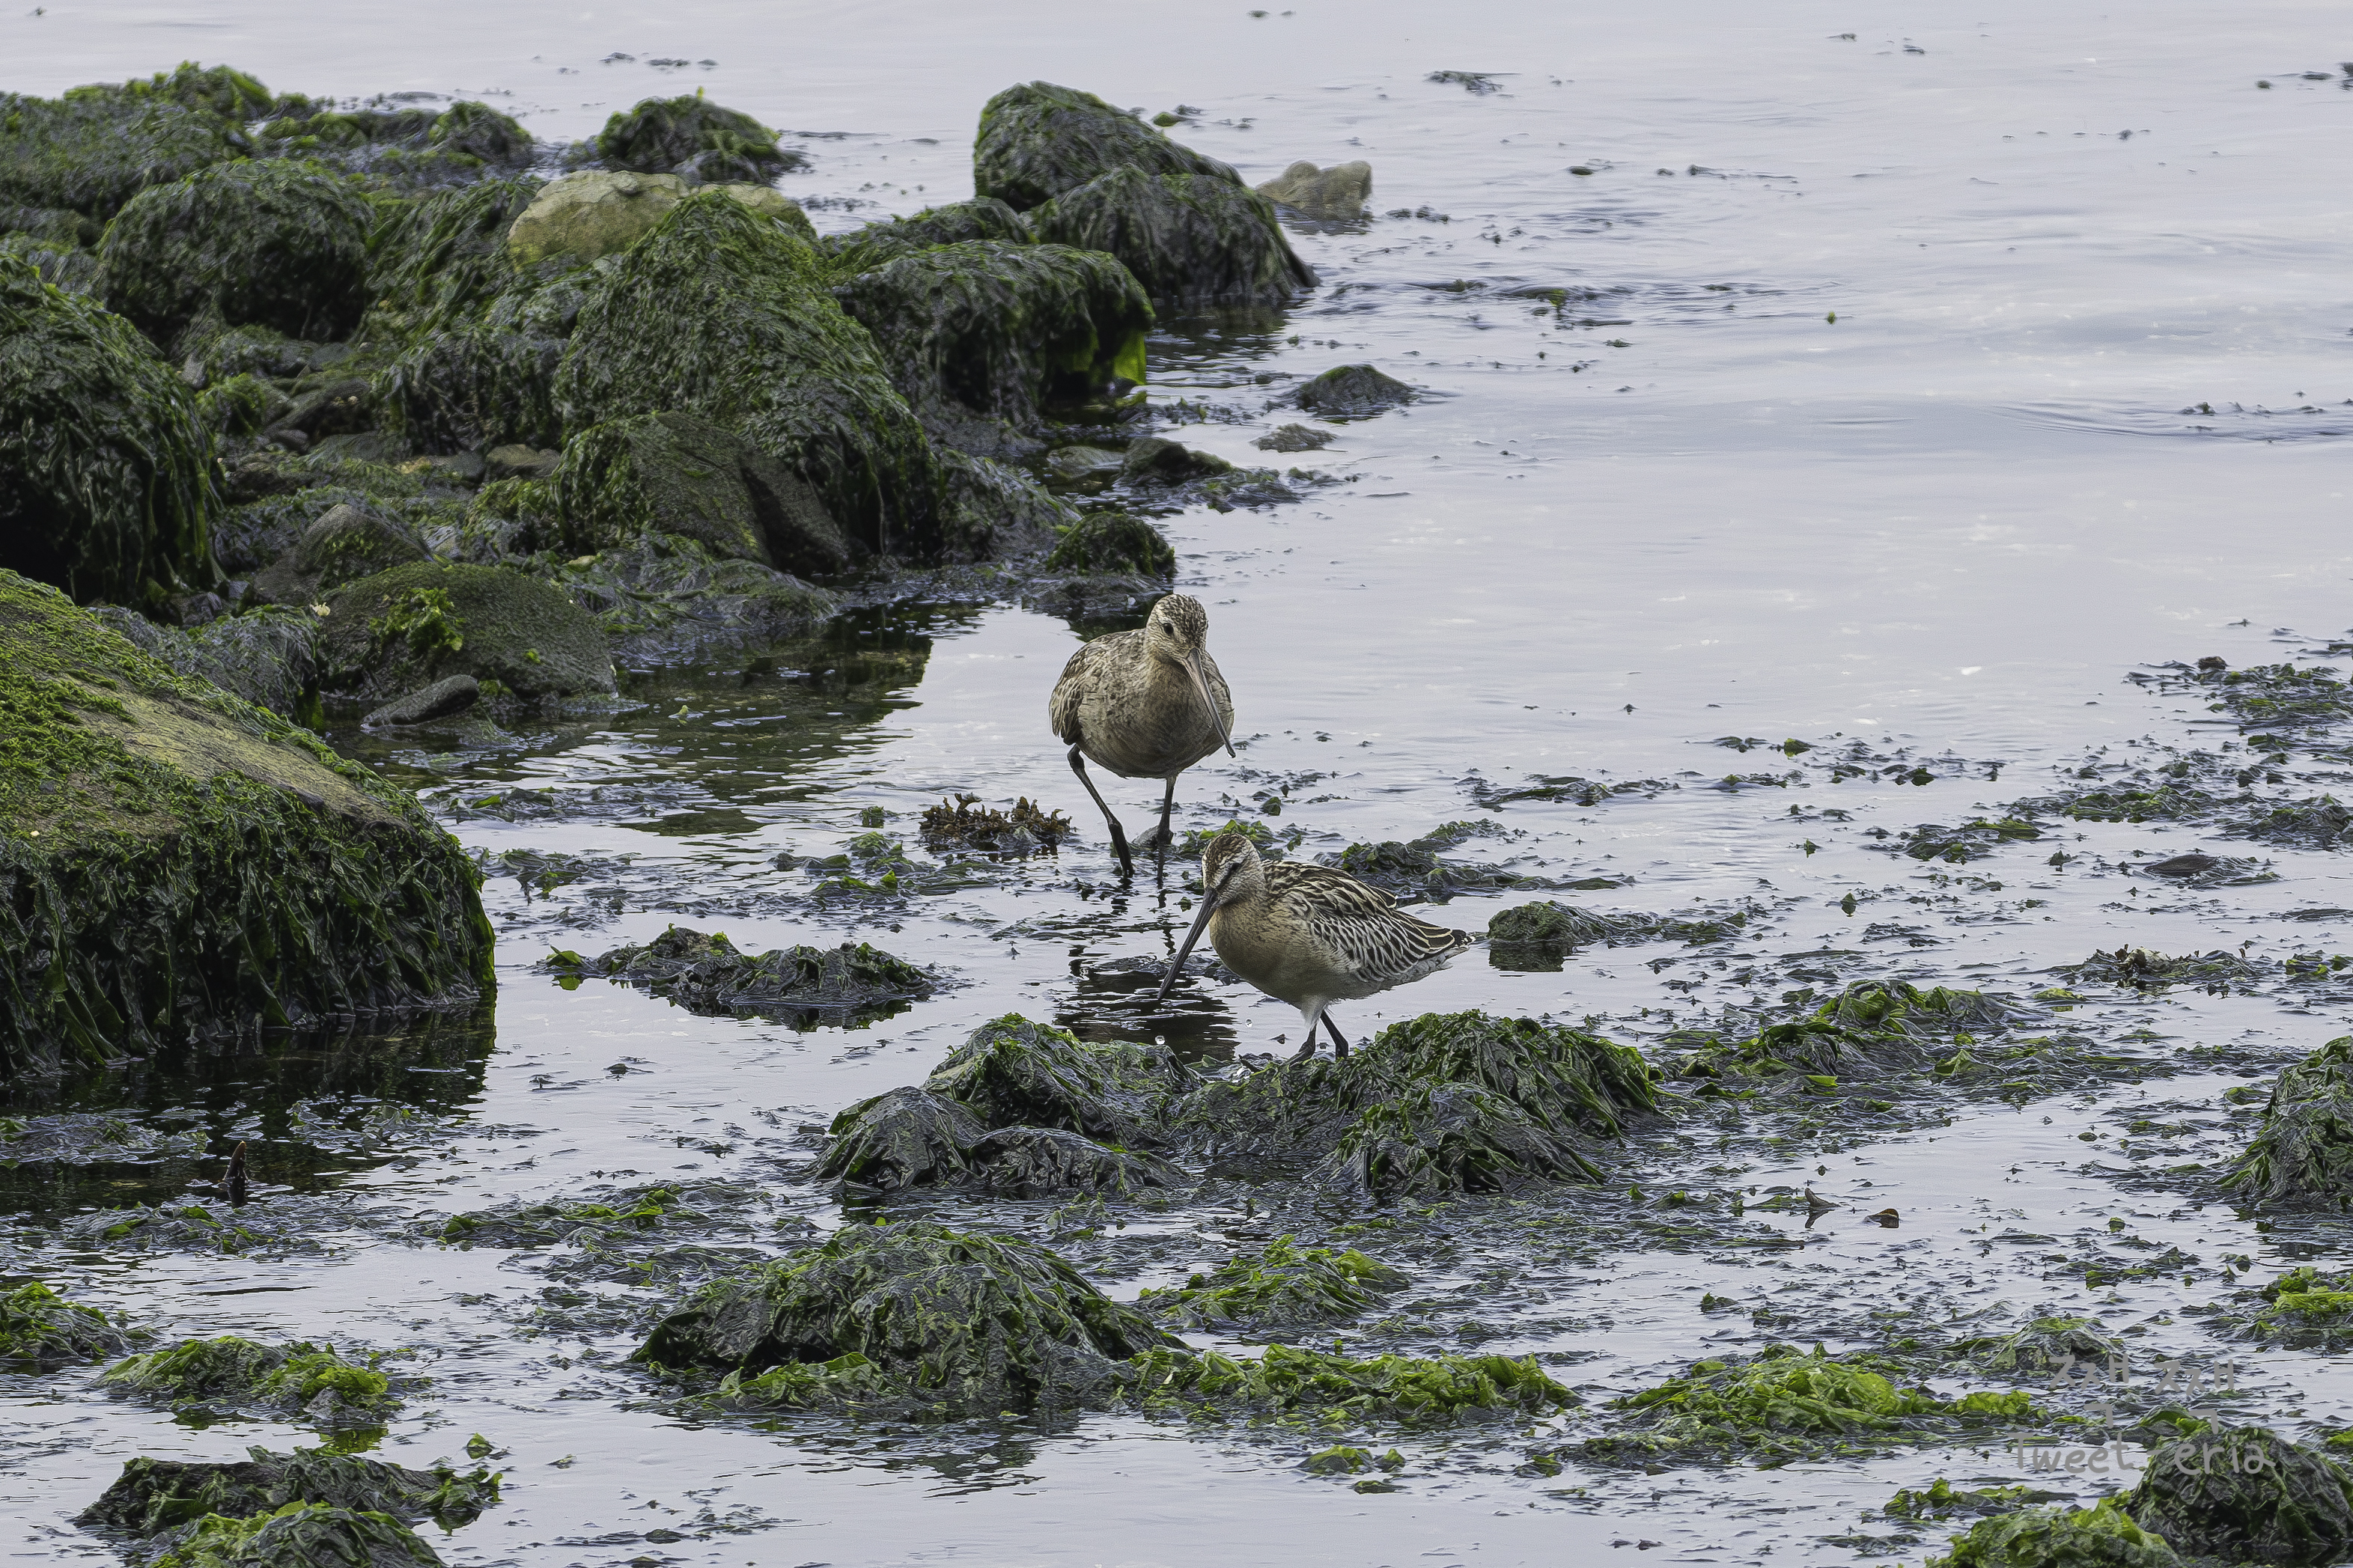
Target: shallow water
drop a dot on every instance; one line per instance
(1683, 505)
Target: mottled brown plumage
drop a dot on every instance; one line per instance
(1145, 704)
(1308, 934)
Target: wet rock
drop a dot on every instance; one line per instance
(1114, 544)
(108, 469)
(2049, 1345)
(992, 329)
(2246, 1495)
(1293, 438)
(718, 313)
(438, 701)
(695, 139)
(1353, 391)
(91, 152)
(520, 461)
(272, 883)
(583, 216)
(905, 1138)
(229, 1374)
(2103, 1534)
(300, 1535)
(1532, 932)
(1039, 140)
(1152, 458)
(276, 245)
(1872, 1026)
(1012, 1072)
(153, 1496)
(1280, 1286)
(269, 654)
(675, 473)
(1343, 1388)
(1033, 1162)
(343, 546)
(663, 599)
(1338, 192)
(948, 1320)
(707, 974)
(954, 223)
(398, 630)
(993, 511)
(1189, 239)
(2303, 1150)
(1413, 870)
(40, 1328)
(1450, 1139)
(2306, 1306)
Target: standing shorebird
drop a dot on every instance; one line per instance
(1308, 934)
(1146, 705)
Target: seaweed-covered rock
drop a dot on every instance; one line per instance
(269, 654)
(441, 259)
(1293, 438)
(230, 1373)
(664, 599)
(952, 222)
(152, 1496)
(1872, 1026)
(422, 706)
(1189, 239)
(2049, 1345)
(1033, 1162)
(2303, 1150)
(674, 473)
(1112, 543)
(277, 245)
(95, 148)
(2244, 1494)
(268, 881)
(299, 1535)
(40, 1327)
(695, 139)
(1413, 870)
(476, 386)
(106, 480)
(994, 511)
(1012, 1072)
(905, 1138)
(1343, 1388)
(2101, 1536)
(1353, 391)
(962, 1321)
(1038, 140)
(1450, 1138)
(719, 313)
(1547, 929)
(991, 329)
(707, 974)
(1338, 192)
(345, 544)
(1156, 457)
(1280, 1286)
(397, 630)
(583, 216)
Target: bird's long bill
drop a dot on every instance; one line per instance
(1202, 684)
(1177, 966)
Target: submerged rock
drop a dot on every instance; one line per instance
(1189, 239)
(153, 1496)
(675, 473)
(1353, 391)
(1038, 140)
(707, 974)
(272, 883)
(583, 216)
(42, 1329)
(106, 482)
(1012, 1072)
(344, 545)
(231, 1375)
(1280, 1286)
(2303, 1150)
(398, 630)
(952, 222)
(695, 139)
(2102, 1535)
(942, 1319)
(453, 695)
(2246, 1495)
(1338, 192)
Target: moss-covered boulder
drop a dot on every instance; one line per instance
(1038, 1161)
(1003, 331)
(1280, 1286)
(994, 511)
(40, 1327)
(1012, 1072)
(2303, 1150)
(269, 654)
(1038, 140)
(230, 1374)
(1189, 239)
(276, 245)
(344, 545)
(2101, 1536)
(676, 473)
(94, 148)
(152, 1496)
(2244, 1494)
(299, 1535)
(106, 472)
(398, 630)
(473, 387)
(1114, 544)
(721, 313)
(695, 139)
(180, 865)
(952, 222)
(960, 1322)
(583, 216)
(665, 600)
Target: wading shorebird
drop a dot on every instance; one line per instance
(1308, 934)
(1145, 704)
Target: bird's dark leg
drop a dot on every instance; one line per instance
(1161, 837)
(1339, 1040)
(1307, 1051)
(1118, 834)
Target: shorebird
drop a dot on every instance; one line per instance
(1308, 934)
(1145, 704)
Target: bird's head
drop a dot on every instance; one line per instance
(1178, 629)
(1230, 867)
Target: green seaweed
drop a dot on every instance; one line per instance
(676, 474)
(1112, 543)
(1188, 239)
(40, 1327)
(299, 1535)
(234, 1373)
(1872, 1026)
(96, 148)
(2244, 1494)
(1038, 140)
(1013, 1072)
(863, 249)
(696, 138)
(1338, 1389)
(1450, 1138)
(389, 634)
(1280, 1286)
(2303, 1153)
(2101, 1536)
(152, 1496)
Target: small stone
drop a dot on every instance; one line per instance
(1295, 438)
(1152, 458)
(438, 701)
(1339, 192)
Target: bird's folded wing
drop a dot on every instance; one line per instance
(1317, 890)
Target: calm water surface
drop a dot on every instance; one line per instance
(2084, 403)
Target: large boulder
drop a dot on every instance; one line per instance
(1039, 140)
(106, 472)
(96, 148)
(675, 473)
(275, 244)
(1338, 192)
(180, 866)
(1190, 239)
(583, 216)
(345, 544)
(696, 140)
(723, 313)
(990, 330)
(2303, 1150)
(952, 222)
(389, 634)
